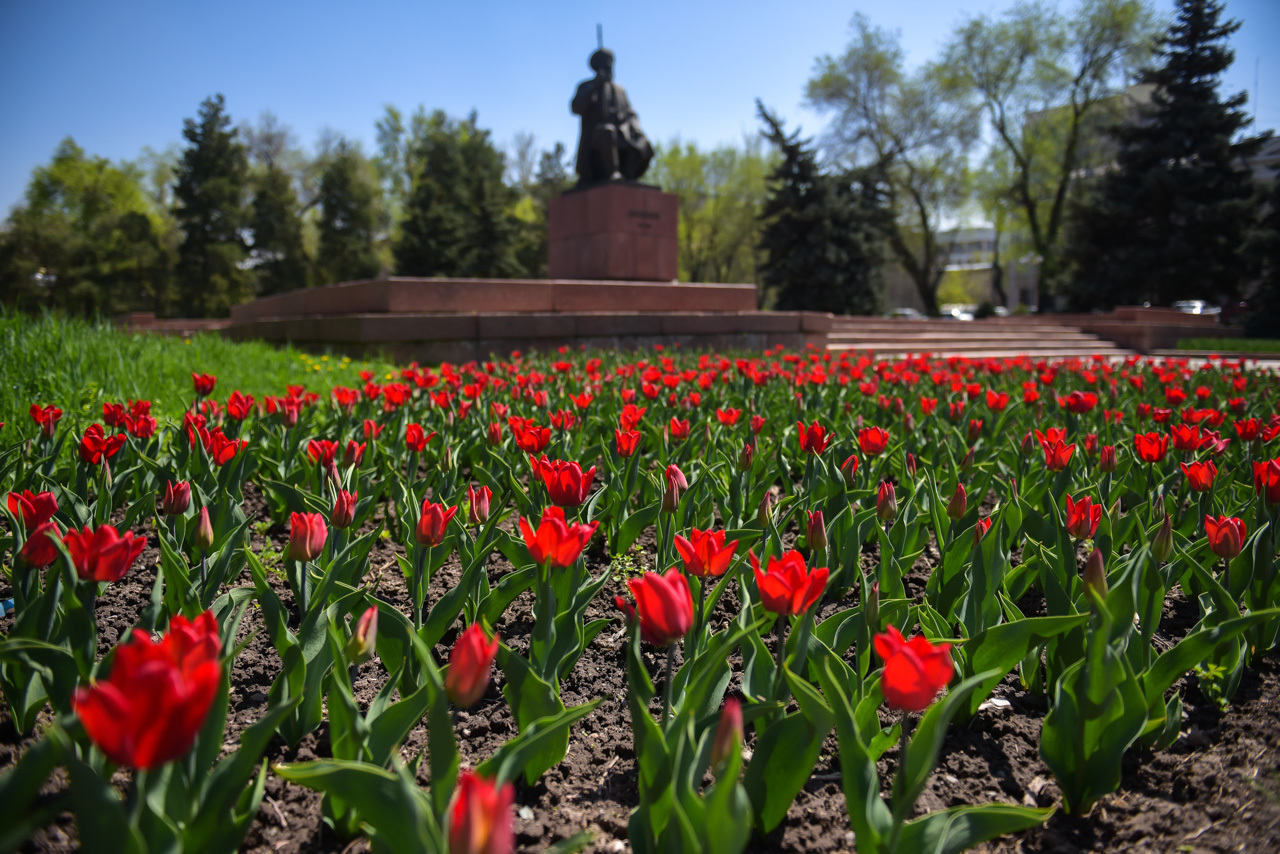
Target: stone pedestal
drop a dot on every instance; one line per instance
(613, 231)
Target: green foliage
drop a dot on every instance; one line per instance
(457, 219)
(1042, 77)
(87, 239)
(909, 135)
(821, 233)
(210, 209)
(721, 196)
(1170, 221)
(278, 251)
(82, 364)
(1232, 345)
(348, 217)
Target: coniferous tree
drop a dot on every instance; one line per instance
(278, 251)
(459, 219)
(211, 212)
(1170, 220)
(1264, 320)
(348, 217)
(434, 224)
(822, 234)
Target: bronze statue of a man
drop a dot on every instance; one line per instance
(612, 147)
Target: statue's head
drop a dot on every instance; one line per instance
(602, 60)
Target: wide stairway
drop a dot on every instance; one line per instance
(989, 338)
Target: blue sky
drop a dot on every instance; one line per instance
(118, 76)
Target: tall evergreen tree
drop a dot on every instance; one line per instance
(823, 234)
(434, 224)
(459, 219)
(280, 259)
(210, 209)
(1169, 222)
(348, 217)
(1264, 320)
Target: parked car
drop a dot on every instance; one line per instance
(905, 313)
(1196, 306)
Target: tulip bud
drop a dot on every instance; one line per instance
(177, 498)
(478, 504)
(1107, 459)
(959, 501)
(765, 514)
(1113, 514)
(307, 533)
(1162, 545)
(344, 509)
(908, 422)
(728, 738)
(911, 465)
(331, 472)
(289, 415)
(975, 429)
(886, 503)
(363, 640)
(203, 535)
(494, 437)
(747, 457)
(1027, 445)
(470, 664)
(848, 469)
(676, 484)
(967, 462)
(1095, 574)
(446, 459)
(817, 532)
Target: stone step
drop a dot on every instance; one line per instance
(925, 337)
(1109, 352)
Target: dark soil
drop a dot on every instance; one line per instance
(1216, 790)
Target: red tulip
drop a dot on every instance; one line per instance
(141, 426)
(705, 552)
(177, 498)
(1079, 402)
(354, 453)
(873, 440)
(533, 439)
(1226, 535)
(848, 469)
(432, 522)
(307, 534)
(958, 504)
(677, 484)
(364, 640)
(469, 666)
(975, 429)
(814, 439)
(239, 405)
(202, 536)
(886, 503)
(664, 606)
(480, 819)
(40, 550)
(1248, 429)
(103, 555)
(33, 508)
(980, 530)
(416, 439)
(221, 449)
(1151, 447)
(1056, 454)
(1200, 476)
(788, 587)
(728, 736)
(113, 414)
(1095, 573)
(321, 451)
(746, 457)
(95, 446)
(678, 429)
(567, 484)
(757, 424)
(344, 509)
(1107, 459)
(478, 504)
(816, 531)
(914, 670)
(1186, 437)
(1266, 480)
(1082, 517)
(153, 705)
(46, 417)
(728, 417)
(556, 542)
(204, 384)
(997, 402)
(627, 442)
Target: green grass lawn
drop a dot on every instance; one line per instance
(78, 365)
(1231, 345)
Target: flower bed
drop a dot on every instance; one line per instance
(692, 601)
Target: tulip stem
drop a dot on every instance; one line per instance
(667, 688)
(303, 592)
(204, 570)
(900, 808)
